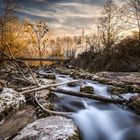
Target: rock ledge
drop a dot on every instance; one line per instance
(50, 128)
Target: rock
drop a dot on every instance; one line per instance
(17, 121)
(44, 98)
(117, 90)
(49, 76)
(134, 102)
(87, 89)
(50, 128)
(136, 88)
(74, 84)
(89, 76)
(2, 84)
(10, 101)
(82, 75)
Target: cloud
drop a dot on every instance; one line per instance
(63, 16)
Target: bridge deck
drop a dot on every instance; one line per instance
(38, 59)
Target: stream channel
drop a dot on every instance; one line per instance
(97, 120)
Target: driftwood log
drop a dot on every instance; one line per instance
(46, 87)
(90, 96)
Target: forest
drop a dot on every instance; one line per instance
(79, 84)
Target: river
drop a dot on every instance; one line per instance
(97, 120)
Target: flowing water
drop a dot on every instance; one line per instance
(97, 120)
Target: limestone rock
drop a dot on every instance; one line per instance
(10, 101)
(50, 128)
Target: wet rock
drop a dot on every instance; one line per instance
(87, 89)
(134, 102)
(74, 84)
(117, 90)
(10, 101)
(50, 128)
(49, 76)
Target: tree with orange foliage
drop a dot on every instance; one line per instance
(11, 28)
(6, 18)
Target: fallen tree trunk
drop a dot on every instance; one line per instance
(90, 96)
(46, 87)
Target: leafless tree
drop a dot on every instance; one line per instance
(133, 9)
(111, 24)
(94, 43)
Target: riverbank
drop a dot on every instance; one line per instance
(131, 80)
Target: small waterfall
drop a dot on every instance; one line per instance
(97, 120)
(96, 124)
(99, 89)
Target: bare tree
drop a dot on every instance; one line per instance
(111, 24)
(94, 43)
(133, 9)
(38, 32)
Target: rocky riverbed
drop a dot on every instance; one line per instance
(22, 118)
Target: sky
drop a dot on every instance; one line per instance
(64, 17)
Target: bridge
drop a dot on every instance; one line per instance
(53, 59)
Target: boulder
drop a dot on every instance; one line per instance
(50, 128)
(10, 101)
(117, 90)
(87, 89)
